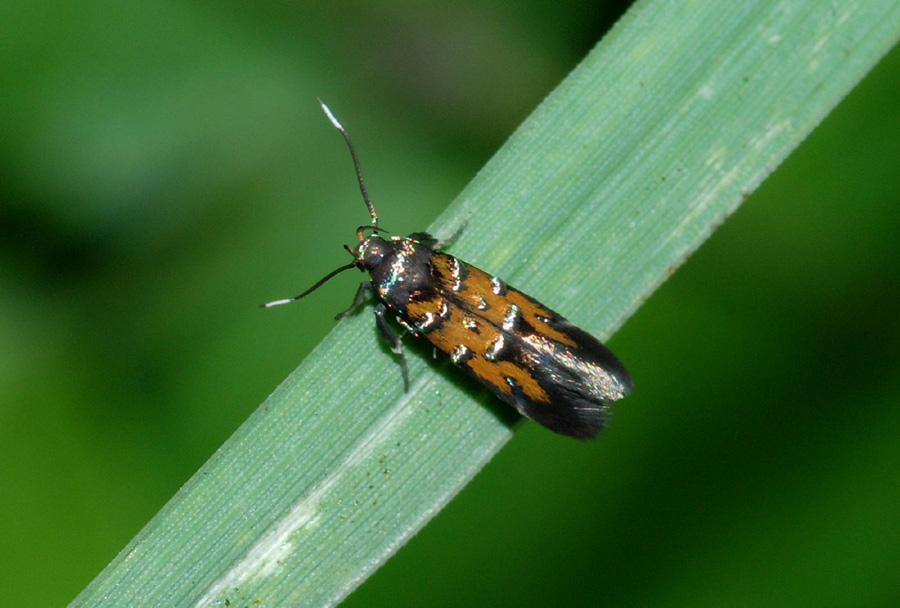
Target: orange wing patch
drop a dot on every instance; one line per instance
(478, 293)
(473, 333)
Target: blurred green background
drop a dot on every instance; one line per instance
(166, 168)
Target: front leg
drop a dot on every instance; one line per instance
(393, 338)
(361, 294)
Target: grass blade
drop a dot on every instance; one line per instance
(623, 171)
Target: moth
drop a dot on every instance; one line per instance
(527, 355)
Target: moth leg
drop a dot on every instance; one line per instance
(444, 243)
(424, 238)
(433, 243)
(393, 338)
(361, 295)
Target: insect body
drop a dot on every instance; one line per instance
(526, 354)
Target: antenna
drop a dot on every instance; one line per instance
(321, 282)
(359, 175)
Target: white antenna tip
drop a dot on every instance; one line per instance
(330, 116)
(277, 303)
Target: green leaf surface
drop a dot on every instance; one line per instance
(669, 123)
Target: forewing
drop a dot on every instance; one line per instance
(527, 354)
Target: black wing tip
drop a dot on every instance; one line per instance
(581, 428)
(578, 418)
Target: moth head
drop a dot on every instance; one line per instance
(370, 251)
